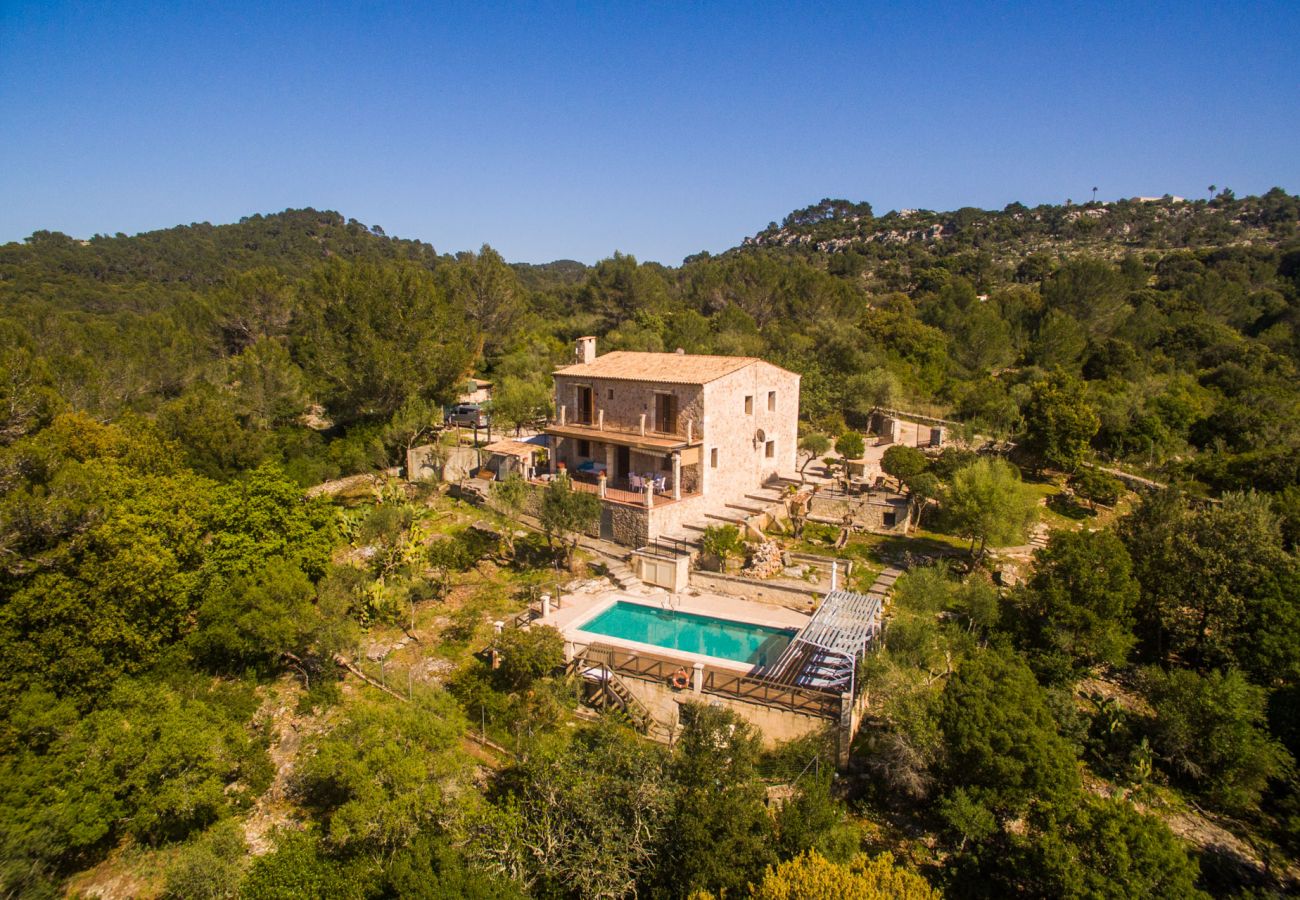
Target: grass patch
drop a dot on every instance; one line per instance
(1069, 507)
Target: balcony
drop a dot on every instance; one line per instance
(641, 435)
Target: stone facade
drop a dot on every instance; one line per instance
(631, 526)
(879, 512)
(624, 402)
(735, 426)
(423, 463)
(759, 398)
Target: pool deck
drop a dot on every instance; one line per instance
(582, 607)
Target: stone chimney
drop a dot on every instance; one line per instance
(586, 349)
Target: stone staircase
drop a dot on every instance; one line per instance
(733, 513)
(622, 575)
(1039, 535)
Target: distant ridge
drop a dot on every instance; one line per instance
(1106, 228)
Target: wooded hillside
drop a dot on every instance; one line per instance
(171, 607)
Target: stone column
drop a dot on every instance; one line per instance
(602, 485)
(546, 607)
(555, 454)
(697, 678)
(846, 728)
(642, 424)
(649, 493)
(600, 420)
(563, 411)
(677, 475)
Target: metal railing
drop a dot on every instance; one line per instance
(666, 548)
(809, 701)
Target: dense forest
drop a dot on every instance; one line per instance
(1124, 722)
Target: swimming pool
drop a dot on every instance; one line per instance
(675, 630)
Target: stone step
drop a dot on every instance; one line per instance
(730, 520)
(752, 510)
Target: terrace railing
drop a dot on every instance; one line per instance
(666, 548)
(808, 701)
(590, 484)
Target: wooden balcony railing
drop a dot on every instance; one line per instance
(685, 429)
(808, 701)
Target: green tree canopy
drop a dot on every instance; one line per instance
(850, 445)
(488, 292)
(257, 620)
(580, 817)
(1210, 730)
(1001, 746)
(1081, 599)
(386, 773)
(567, 514)
(1096, 486)
(1100, 848)
(904, 462)
(719, 836)
(156, 761)
(812, 446)
(988, 503)
(527, 654)
(516, 402)
(1059, 422)
(371, 336)
(1217, 586)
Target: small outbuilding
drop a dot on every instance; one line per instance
(506, 457)
(476, 390)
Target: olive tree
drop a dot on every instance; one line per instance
(567, 514)
(812, 446)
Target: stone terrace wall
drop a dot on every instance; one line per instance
(775, 725)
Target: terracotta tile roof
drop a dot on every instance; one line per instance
(668, 368)
(513, 448)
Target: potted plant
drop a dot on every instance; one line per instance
(722, 547)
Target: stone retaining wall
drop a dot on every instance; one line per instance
(789, 596)
(775, 725)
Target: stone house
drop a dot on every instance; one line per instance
(665, 438)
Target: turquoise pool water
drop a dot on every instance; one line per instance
(676, 630)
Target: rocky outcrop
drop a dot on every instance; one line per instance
(765, 560)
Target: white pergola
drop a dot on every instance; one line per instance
(825, 653)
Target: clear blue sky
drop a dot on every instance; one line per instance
(554, 131)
